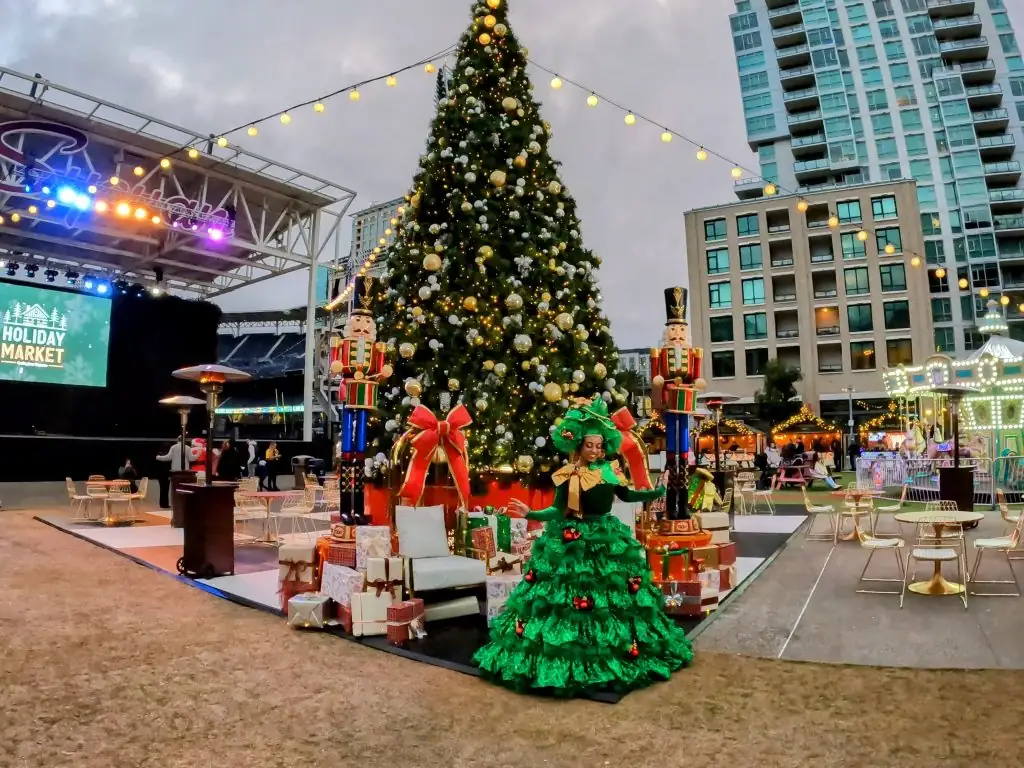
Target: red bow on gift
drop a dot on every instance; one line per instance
(632, 449)
(433, 433)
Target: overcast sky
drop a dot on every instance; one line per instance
(214, 64)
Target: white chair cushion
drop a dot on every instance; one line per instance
(820, 509)
(430, 573)
(1002, 542)
(421, 532)
(882, 543)
(626, 512)
(938, 553)
(888, 508)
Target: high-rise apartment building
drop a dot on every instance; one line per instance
(824, 282)
(371, 231)
(840, 92)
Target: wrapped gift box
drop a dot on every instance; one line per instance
(371, 541)
(342, 532)
(405, 621)
(384, 575)
(308, 611)
(727, 554)
(370, 613)
(297, 562)
(339, 582)
(341, 553)
(469, 523)
(710, 579)
(499, 590)
(718, 524)
(483, 542)
(709, 556)
(505, 564)
(344, 615)
(726, 577)
(523, 548)
(671, 566)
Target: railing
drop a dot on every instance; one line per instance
(796, 71)
(990, 142)
(958, 21)
(810, 165)
(818, 224)
(1009, 222)
(791, 50)
(806, 117)
(752, 181)
(784, 10)
(977, 66)
(830, 367)
(944, 3)
(985, 90)
(782, 262)
(823, 258)
(787, 334)
(1006, 195)
(792, 29)
(887, 474)
(829, 294)
(963, 45)
(803, 93)
(998, 168)
(807, 141)
(827, 330)
(778, 229)
(784, 297)
(990, 114)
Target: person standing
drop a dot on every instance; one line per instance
(229, 463)
(179, 457)
(129, 473)
(250, 462)
(273, 457)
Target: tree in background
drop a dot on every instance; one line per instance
(775, 398)
(490, 295)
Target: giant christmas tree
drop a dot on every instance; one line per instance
(490, 295)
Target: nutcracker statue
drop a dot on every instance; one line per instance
(360, 362)
(675, 382)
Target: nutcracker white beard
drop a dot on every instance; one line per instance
(360, 327)
(677, 333)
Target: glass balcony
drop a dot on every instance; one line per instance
(977, 72)
(810, 167)
(749, 188)
(946, 8)
(985, 96)
(991, 119)
(794, 34)
(1003, 172)
(997, 147)
(809, 119)
(1006, 199)
(969, 49)
(805, 98)
(1008, 225)
(785, 15)
(794, 54)
(957, 26)
(797, 76)
(1011, 250)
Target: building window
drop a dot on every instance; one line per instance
(754, 81)
(945, 340)
(899, 352)
(753, 291)
(894, 277)
(723, 365)
(857, 283)
(859, 318)
(973, 340)
(755, 326)
(718, 261)
(985, 275)
(897, 315)
(852, 247)
(757, 359)
(882, 123)
(942, 310)
(887, 150)
(884, 207)
(721, 329)
(981, 247)
(720, 295)
(937, 284)
(750, 256)
(714, 229)
(862, 355)
(848, 211)
(889, 236)
(746, 226)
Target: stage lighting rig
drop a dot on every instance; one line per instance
(31, 269)
(89, 282)
(121, 286)
(12, 268)
(71, 276)
(50, 275)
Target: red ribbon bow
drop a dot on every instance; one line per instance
(632, 450)
(433, 433)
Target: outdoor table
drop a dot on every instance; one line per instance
(857, 495)
(938, 585)
(792, 474)
(267, 498)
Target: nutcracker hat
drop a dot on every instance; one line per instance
(586, 417)
(363, 291)
(675, 305)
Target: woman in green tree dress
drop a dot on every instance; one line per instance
(586, 618)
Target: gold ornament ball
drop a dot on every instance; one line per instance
(545, 296)
(406, 349)
(509, 104)
(564, 321)
(467, 207)
(552, 392)
(386, 371)
(582, 334)
(554, 187)
(524, 463)
(432, 262)
(486, 251)
(415, 201)
(478, 341)
(500, 30)
(526, 365)
(413, 388)
(488, 365)
(498, 178)
(600, 371)
(493, 4)
(469, 303)
(453, 385)
(417, 311)
(574, 387)
(514, 301)
(520, 161)
(552, 264)
(484, 39)
(500, 369)
(490, 21)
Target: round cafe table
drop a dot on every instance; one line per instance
(939, 521)
(267, 498)
(857, 496)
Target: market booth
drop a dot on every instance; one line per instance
(731, 432)
(807, 427)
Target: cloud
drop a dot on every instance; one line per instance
(212, 66)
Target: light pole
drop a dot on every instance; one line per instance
(849, 423)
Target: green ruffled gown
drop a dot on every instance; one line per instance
(586, 618)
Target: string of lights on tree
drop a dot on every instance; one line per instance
(353, 93)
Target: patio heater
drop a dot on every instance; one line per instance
(184, 404)
(714, 401)
(211, 379)
(956, 483)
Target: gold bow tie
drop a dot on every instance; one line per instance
(580, 479)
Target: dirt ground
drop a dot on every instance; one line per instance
(106, 663)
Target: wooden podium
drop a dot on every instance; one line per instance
(207, 513)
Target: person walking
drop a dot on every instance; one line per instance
(179, 457)
(273, 458)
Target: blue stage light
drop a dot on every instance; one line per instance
(88, 283)
(83, 202)
(102, 289)
(46, 190)
(67, 195)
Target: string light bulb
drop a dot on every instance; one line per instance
(1004, 300)
(253, 130)
(592, 100)
(222, 142)
(963, 283)
(285, 118)
(15, 217)
(862, 235)
(983, 293)
(193, 154)
(915, 261)
(770, 189)
(630, 119)
(833, 221)
(556, 82)
(354, 95)
(392, 81)
(164, 163)
(890, 249)
(139, 170)
(737, 173)
(940, 273)
(802, 206)
(429, 68)
(33, 210)
(666, 136)
(702, 154)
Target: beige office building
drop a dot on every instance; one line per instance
(818, 289)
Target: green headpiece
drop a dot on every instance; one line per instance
(586, 418)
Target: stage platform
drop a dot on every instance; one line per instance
(153, 543)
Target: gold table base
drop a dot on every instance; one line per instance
(937, 585)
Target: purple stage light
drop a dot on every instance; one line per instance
(215, 234)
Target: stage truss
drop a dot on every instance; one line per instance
(276, 218)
